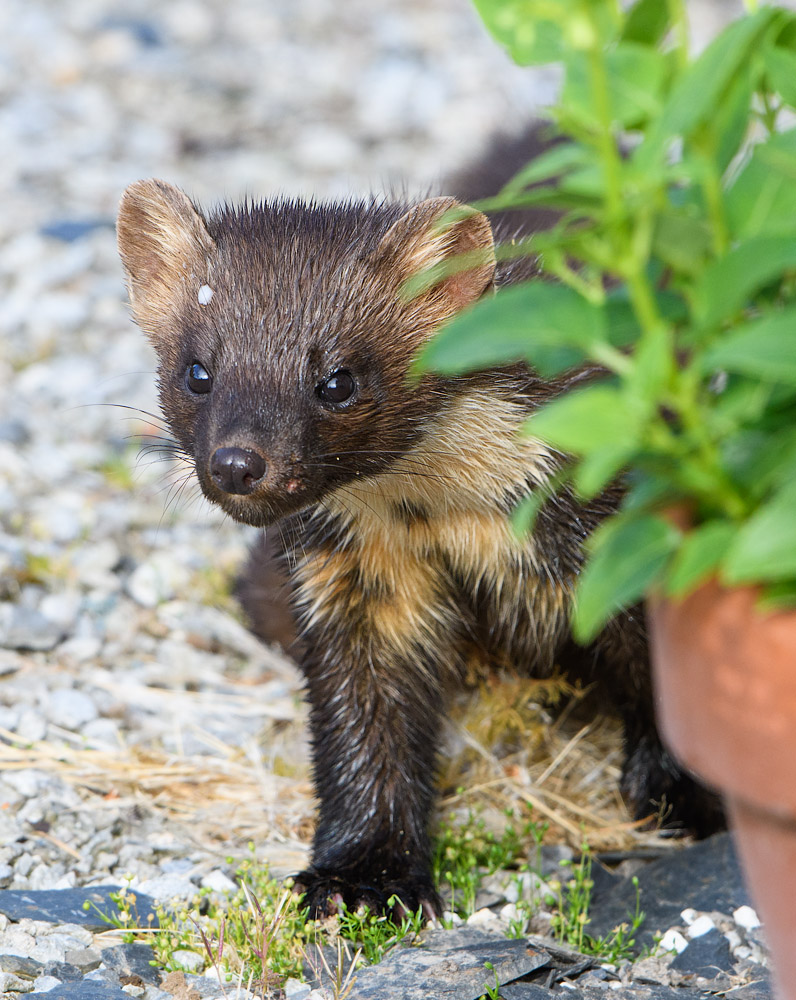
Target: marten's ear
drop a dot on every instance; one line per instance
(164, 246)
(424, 245)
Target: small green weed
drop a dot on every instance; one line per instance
(260, 934)
(571, 916)
(492, 992)
(376, 934)
(465, 853)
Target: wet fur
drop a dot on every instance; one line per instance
(394, 509)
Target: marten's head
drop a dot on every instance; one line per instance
(284, 334)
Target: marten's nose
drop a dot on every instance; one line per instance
(236, 470)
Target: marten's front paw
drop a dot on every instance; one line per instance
(324, 893)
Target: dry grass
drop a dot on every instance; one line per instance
(539, 743)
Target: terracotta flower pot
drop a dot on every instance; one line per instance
(725, 679)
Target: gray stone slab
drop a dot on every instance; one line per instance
(63, 971)
(458, 974)
(529, 991)
(18, 965)
(85, 989)
(707, 955)
(644, 993)
(759, 990)
(67, 906)
(705, 876)
(128, 961)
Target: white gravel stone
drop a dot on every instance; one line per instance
(28, 781)
(32, 726)
(700, 926)
(746, 917)
(672, 940)
(688, 916)
(9, 983)
(71, 709)
(218, 881)
(156, 581)
(508, 912)
(482, 916)
(734, 939)
(15, 941)
(296, 990)
(165, 888)
(190, 961)
(102, 731)
(42, 984)
(27, 628)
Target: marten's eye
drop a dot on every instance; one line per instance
(198, 378)
(338, 387)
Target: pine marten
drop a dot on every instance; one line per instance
(284, 343)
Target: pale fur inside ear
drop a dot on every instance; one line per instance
(461, 250)
(164, 245)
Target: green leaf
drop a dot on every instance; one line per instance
(733, 120)
(530, 40)
(635, 82)
(647, 22)
(523, 517)
(762, 201)
(627, 556)
(699, 555)
(779, 596)
(698, 95)
(764, 348)
(620, 317)
(593, 473)
(653, 368)
(761, 460)
(730, 282)
(555, 162)
(682, 239)
(586, 421)
(647, 492)
(765, 546)
(781, 69)
(549, 325)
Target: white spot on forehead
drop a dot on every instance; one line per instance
(205, 295)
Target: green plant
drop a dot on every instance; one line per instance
(260, 934)
(376, 934)
(571, 914)
(492, 992)
(465, 853)
(675, 260)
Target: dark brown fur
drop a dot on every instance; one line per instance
(394, 504)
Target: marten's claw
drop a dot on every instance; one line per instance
(326, 894)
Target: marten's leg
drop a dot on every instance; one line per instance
(378, 628)
(264, 591)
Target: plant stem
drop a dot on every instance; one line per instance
(611, 162)
(711, 185)
(680, 24)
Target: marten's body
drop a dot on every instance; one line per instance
(284, 343)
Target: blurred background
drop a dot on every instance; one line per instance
(138, 720)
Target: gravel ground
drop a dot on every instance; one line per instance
(143, 732)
